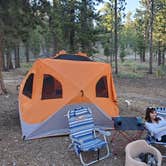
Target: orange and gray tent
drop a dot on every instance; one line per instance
(55, 85)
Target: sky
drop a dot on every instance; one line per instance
(132, 5)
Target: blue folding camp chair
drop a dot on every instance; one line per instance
(161, 111)
(84, 136)
(153, 141)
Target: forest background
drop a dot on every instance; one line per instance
(31, 29)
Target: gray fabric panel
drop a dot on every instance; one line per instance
(59, 132)
(27, 129)
(57, 124)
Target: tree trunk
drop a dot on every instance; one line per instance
(116, 38)
(3, 61)
(135, 53)
(9, 60)
(27, 52)
(72, 30)
(84, 25)
(159, 53)
(143, 54)
(151, 37)
(111, 44)
(55, 45)
(2, 85)
(163, 57)
(17, 57)
(146, 30)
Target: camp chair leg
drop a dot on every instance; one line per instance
(98, 158)
(98, 154)
(86, 164)
(70, 147)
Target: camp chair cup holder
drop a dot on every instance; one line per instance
(119, 121)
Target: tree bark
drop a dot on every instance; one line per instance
(143, 54)
(116, 38)
(55, 45)
(159, 53)
(27, 52)
(2, 85)
(163, 56)
(146, 30)
(111, 43)
(9, 60)
(3, 61)
(135, 55)
(72, 30)
(84, 25)
(17, 57)
(151, 37)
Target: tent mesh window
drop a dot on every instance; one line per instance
(73, 57)
(52, 88)
(102, 87)
(27, 90)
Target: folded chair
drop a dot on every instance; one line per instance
(84, 136)
(135, 148)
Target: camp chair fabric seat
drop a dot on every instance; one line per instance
(84, 134)
(93, 144)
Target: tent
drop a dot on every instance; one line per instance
(54, 85)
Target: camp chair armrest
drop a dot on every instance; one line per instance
(75, 140)
(103, 132)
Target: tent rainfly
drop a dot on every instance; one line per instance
(54, 85)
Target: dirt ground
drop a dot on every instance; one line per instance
(53, 151)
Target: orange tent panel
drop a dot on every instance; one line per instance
(70, 82)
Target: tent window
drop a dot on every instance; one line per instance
(27, 91)
(102, 87)
(52, 88)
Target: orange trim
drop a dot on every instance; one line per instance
(59, 53)
(81, 54)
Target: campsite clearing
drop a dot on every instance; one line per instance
(140, 93)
